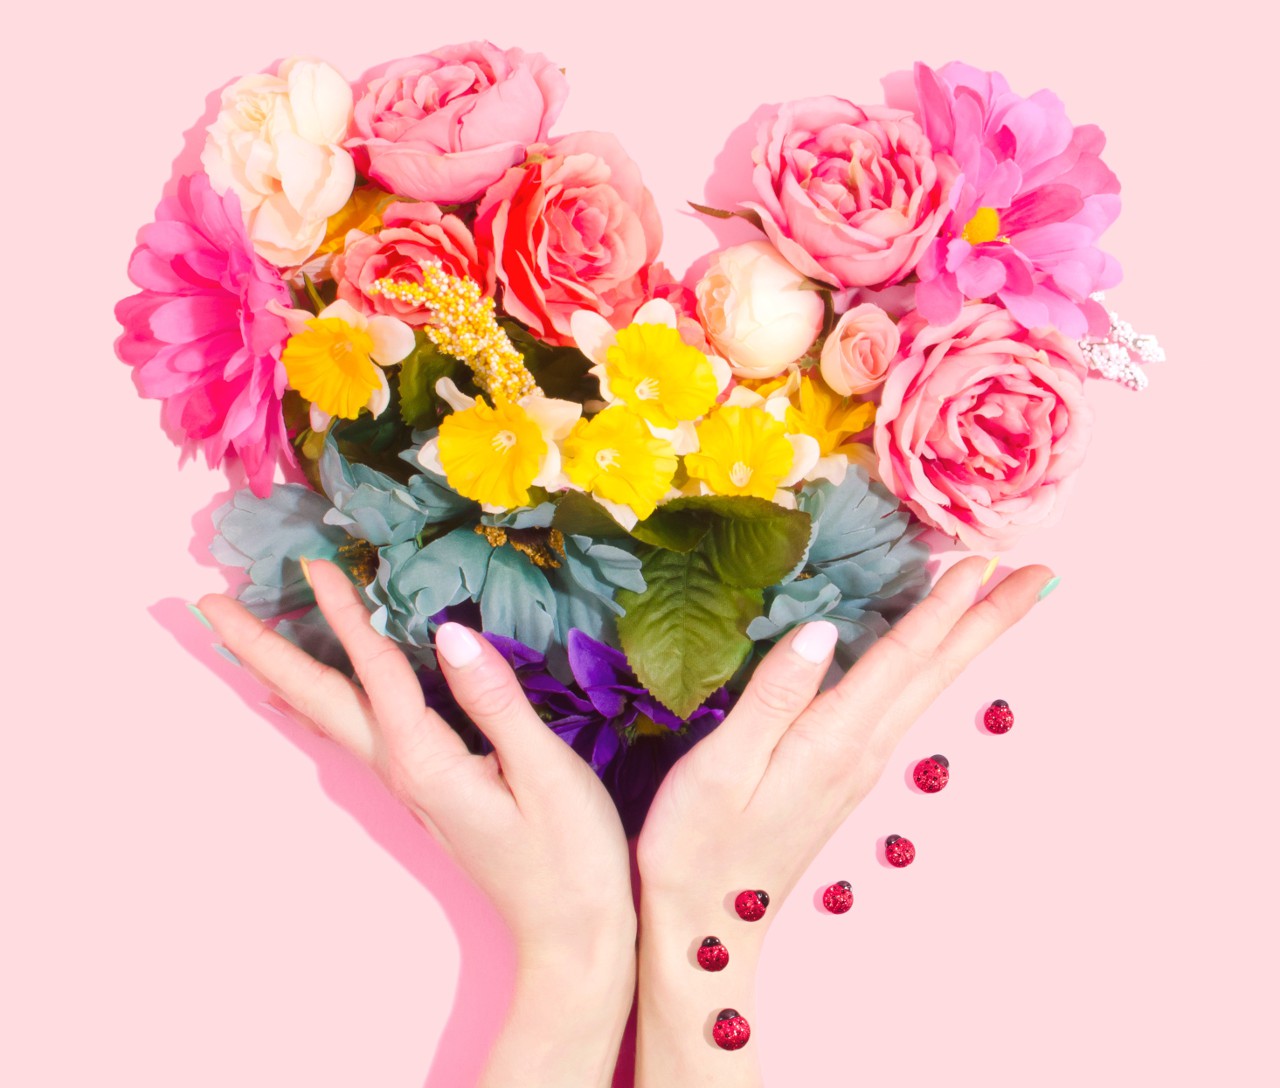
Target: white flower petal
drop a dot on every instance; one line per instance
(555, 418)
(683, 436)
(295, 319)
(722, 371)
(551, 475)
(392, 339)
(785, 499)
(380, 397)
(454, 397)
(592, 333)
(742, 397)
(777, 406)
(321, 100)
(657, 311)
(429, 457)
(807, 452)
(601, 375)
(833, 467)
(623, 515)
(344, 311)
(319, 419)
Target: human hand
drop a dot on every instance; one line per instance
(750, 806)
(530, 823)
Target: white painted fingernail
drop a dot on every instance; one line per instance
(457, 645)
(815, 641)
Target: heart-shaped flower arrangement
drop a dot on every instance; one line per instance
(453, 327)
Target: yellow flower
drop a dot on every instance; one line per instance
(819, 411)
(660, 377)
(615, 457)
(742, 451)
(363, 212)
(492, 455)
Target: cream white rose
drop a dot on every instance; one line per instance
(277, 142)
(758, 311)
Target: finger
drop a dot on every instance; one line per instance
(852, 709)
(780, 689)
(978, 628)
(488, 691)
(416, 737)
(316, 691)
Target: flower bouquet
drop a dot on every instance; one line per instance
(451, 330)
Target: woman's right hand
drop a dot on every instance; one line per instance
(750, 806)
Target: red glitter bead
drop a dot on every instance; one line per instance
(899, 852)
(998, 718)
(731, 1031)
(751, 905)
(932, 774)
(838, 898)
(712, 955)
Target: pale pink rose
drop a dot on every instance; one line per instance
(277, 144)
(572, 228)
(850, 195)
(445, 125)
(981, 424)
(857, 352)
(759, 312)
(411, 233)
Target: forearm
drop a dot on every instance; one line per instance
(566, 1018)
(678, 1002)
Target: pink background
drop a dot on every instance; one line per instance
(200, 895)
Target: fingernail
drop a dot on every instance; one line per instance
(1049, 587)
(305, 564)
(224, 652)
(199, 615)
(815, 641)
(457, 645)
(991, 569)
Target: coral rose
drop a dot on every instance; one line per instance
(857, 353)
(981, 424)
(572, 228)
(850, 195)
(411, 233)
(445, 125)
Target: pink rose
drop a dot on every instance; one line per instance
(850, 195)
(857, 352)
(445, 125)
(981, 424)
(572, 228)
(411, 233)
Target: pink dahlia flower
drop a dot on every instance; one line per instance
(199, 335)
(981, 424)
(1034, 200)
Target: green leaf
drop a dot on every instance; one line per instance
(685, 635)
(561, 372)
(672, 530)
(578, 514)
(426, 365)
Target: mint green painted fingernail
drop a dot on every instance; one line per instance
(199, 615)
(1049, 587)
(224, 652)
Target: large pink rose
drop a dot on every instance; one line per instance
(411, 233)
(851, 195)
(445, 125)
(572, 228)
(981, 424)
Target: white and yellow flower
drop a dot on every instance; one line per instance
(745, 450)
(621, 463)
(650, 369)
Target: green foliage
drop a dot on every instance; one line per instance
(426, 365)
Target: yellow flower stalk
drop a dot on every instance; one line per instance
(464, 327)
(615, 457)
(741, 451)
(658, 376)
(492, 455)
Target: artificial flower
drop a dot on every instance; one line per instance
(832, 421)
(336, 359)
(201, 335)
(742, 451)
(857, 352)
(850, 195)
(362, 213)
(571, 228)
(618, 460)
(758, 311)
(445, 125)
(1035, 199)
(277, 144)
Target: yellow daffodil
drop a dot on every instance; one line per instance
(819, 411)
(335, 359)
(742, 451)
(492, 455)
(363, 212)
(616, 458)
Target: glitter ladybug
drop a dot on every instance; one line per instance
(712, 955)
(838, 898)
(751, 905)
(899, 852)
(998, 717)
(932, 774)
(731, 1031)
